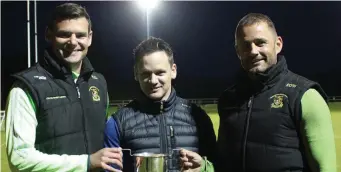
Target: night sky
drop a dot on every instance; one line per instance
(200, 33)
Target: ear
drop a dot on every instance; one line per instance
(278, 44)
(48, 34)
(173, 71)
(237, 50)
(90, 38)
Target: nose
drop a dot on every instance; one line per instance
(73, 40)
(153, 79)
(254, 49)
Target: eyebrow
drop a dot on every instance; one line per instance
(144, 70)
(260, 40)
(69, 32)
(256, 39)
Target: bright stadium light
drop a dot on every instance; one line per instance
(148, 5)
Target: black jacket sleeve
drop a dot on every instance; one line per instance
(206, 135)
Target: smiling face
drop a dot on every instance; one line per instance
(257, 46)
(154, 73)
(70, 39)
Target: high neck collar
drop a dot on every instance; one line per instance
(155, 107)
(268, 78)
(55, 65)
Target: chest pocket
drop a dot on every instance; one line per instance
(55, 97)
(54, 101)
(54, 93)
(279, 105)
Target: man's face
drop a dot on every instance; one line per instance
(257, 47)
(70, 39)
(154, 74)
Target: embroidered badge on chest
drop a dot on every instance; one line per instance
(277, 100)
(95, 93)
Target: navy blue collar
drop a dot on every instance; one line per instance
(148, 105)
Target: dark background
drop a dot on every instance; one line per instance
(200, 33)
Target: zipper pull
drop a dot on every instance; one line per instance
(171, 131)
(249, 103)
(161, 107)
(78, 92)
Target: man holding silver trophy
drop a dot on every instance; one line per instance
(158, 127)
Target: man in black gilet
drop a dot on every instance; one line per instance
(272, 119)
(56, 110)
(158, 120)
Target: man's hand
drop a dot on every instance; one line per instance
(190, 161)
(105, 157)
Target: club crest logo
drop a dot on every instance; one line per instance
(277, 100)
(95, 93)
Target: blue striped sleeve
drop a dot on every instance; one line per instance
(111, 136)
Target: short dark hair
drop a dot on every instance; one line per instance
(151, 45)
(251, 19)
(68, 11)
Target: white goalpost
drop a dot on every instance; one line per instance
(2, 122)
